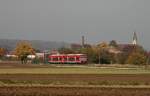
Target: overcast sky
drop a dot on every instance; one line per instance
(68, 20)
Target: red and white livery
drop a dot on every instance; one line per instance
(68, 58)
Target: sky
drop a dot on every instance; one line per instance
(68, 20)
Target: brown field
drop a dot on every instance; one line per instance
(72, 91)
(76, 79)
(43, 80)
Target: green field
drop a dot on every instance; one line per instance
(74, 70)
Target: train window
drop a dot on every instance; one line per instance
(60, 59)
(77, 58)
(71, 59)
(55, 59)
(65, 59)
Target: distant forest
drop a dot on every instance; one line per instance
(10, 44)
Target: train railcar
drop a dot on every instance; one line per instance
(68, 59)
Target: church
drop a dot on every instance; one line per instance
(126, 48)
(129, 47)
(135, 39)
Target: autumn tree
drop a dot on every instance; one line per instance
(148, 57)
(2, 52)
(138, 56)
(23, 49)
(102, 45)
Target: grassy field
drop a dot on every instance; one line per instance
(74, 70)
(16, 68)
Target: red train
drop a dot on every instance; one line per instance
(68, 58)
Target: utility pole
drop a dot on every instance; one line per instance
(99, 59)
(45, 56)
(147, 62)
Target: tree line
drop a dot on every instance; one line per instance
(103, 53)
(111, 53)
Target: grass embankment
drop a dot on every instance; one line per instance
(74, 70)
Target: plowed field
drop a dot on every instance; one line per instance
(72, 91)
(47, 80)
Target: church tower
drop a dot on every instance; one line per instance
(83, 41)
(135, 39)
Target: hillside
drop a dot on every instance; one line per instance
(10, 44)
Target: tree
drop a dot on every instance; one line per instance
(113, 43)
(105, 57)
(136, 58)
(23, 49)
(2, 52)
(148, 57)
(91, 53)
(102, 45)
(127, 50)
(66, 51)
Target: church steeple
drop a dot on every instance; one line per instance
(135, 39)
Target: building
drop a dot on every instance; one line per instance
(76, 46)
